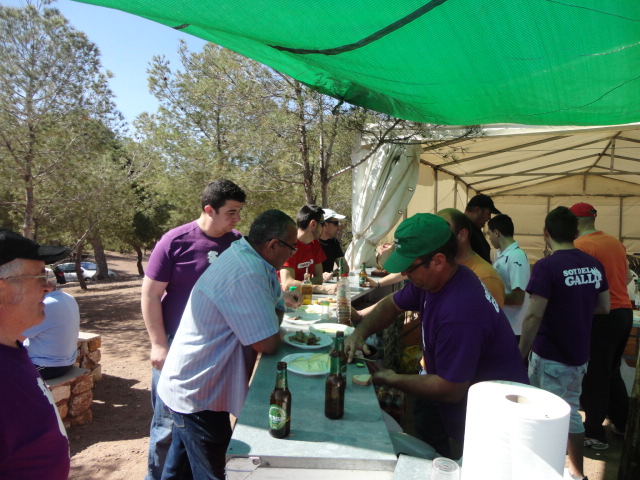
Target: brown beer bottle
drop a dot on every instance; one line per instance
(334, 389)
(338, 345)
(280, 405)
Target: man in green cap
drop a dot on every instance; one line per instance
(466, 337)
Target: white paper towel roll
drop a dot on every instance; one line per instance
(514, 431)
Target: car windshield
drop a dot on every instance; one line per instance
(89, 266)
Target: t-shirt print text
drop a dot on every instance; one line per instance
(582, 276)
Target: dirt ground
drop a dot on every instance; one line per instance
(114, 445)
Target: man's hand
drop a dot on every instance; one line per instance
(327, 276)
(353, 343)
(158, 356)
(292, 298)
(383, 377)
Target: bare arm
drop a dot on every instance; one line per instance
(150, 301)
(431, 387)
(531, 323)
(516, 297)
(380, 317)
(268, 345)
(288, 278)
(386, 280)
(603, 304)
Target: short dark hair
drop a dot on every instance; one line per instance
(449, 249)
(308, 213)
(268, 225)
(217, 193)
(561, 224)
(503, 224)
(460, 220)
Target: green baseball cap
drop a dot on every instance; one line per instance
(416, 236)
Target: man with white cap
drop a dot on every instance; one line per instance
(603, 390)
(33, 440)
(330, 244)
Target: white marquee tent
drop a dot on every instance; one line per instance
(527, 171)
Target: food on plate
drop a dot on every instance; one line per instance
(364, 379)
(304, 338)
(318, 362)
(319, 301)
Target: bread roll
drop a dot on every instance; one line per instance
(364, 379)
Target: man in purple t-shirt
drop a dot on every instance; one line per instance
(33, 441)
(566, 289)
(466, 338)
(176, 263)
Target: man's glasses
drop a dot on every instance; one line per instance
(293, 249)
(44, 278)
(333, 222)
(413, 268)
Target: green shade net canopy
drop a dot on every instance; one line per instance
(449, 62)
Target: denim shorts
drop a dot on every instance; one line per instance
(562, 380)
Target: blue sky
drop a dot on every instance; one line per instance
(127, 44)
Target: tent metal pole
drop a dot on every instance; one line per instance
(620, 219)
(435, 190)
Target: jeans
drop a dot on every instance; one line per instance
(198, 446)
(603, 390)
(160, 431)
(563, 380)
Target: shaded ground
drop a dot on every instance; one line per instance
(114, 445)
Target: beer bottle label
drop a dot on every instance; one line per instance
(277, 417)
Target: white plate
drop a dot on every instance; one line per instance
(331, 329)
(302, 318)
(323, 341)
(293, 368)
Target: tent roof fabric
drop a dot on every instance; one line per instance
(543, 161)
(447, 62)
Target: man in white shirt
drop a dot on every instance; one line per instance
(513, 267)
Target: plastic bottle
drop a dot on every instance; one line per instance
(344, 300)
(306, 290)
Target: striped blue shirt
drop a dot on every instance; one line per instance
(232, 305)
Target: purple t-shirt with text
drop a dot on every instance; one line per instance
(33, 441)
(179, 258)
(466, 338)
(570, 280)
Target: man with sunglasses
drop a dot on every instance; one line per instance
(307, 255)
(331, 245)
(466, 338)
(33, 441)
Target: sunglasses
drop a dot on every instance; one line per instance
(333, 222)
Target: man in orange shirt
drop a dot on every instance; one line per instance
(603, 390)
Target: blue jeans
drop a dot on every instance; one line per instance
(198, 446)
(160, 431)
(563, 380)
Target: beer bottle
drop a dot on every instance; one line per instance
(338, 345)
(306, 290)
(334, 389)
(280, 404)
(340, 268)
(362, 278)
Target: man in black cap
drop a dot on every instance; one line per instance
(33, 441)
(479, 210)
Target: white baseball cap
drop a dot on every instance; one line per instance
(328, 213)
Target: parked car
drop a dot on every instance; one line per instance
(88, 269)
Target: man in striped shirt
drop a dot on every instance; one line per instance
(234, 310)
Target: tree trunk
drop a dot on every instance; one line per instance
(138, 251)
(81, 280)
(100, 257)
(630, 457)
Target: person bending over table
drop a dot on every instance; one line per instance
(466, 336)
